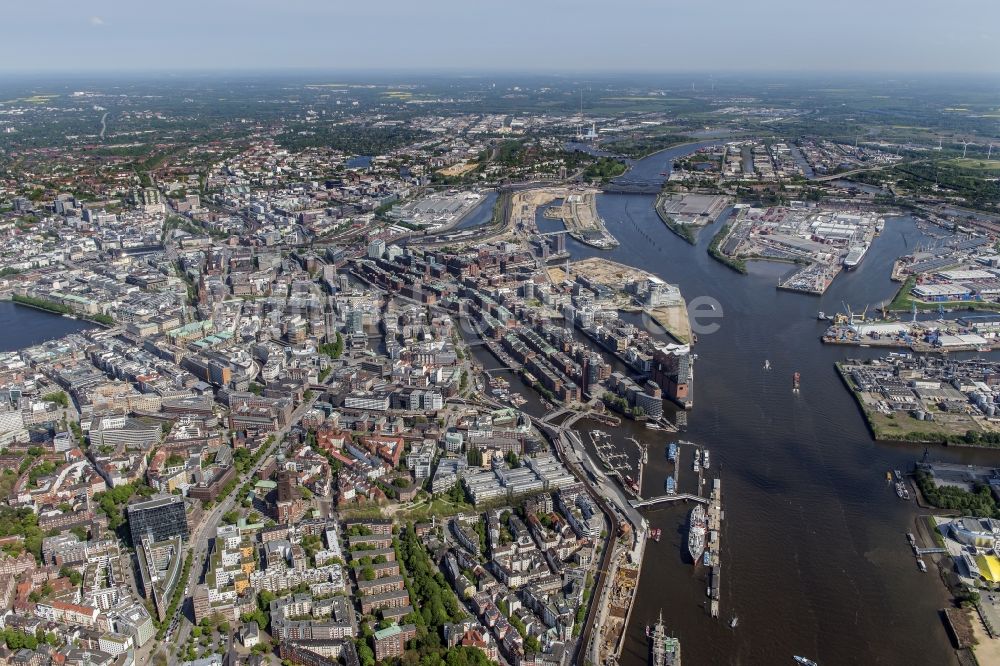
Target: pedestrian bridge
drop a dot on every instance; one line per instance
(639, 503)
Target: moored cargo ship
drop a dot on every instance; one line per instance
(854, 256)
(697, 525)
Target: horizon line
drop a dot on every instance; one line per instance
(457, 72)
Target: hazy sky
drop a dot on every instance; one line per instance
(511, 35)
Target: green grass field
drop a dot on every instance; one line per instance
(975, 164)
(903, 302)
(906, 428)
(439, 506)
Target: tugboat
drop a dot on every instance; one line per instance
(795, 382)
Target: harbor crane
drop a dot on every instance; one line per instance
(852, 317)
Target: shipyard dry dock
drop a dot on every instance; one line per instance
(668, 310)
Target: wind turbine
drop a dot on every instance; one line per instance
(989, 152)
(965, 148)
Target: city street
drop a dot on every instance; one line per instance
(181, 623)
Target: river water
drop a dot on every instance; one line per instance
(481, 214)
(815, 558)
(815, 561)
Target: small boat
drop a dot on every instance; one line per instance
(706, 558)
(655, 533)
(821, 315)
(922, 565)
(735, 621)
(804, 661)
(705, 463)
(672, 452)
(697, 465)
(670, 486)
(888, 476)
(767, 364)
(795, 382)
